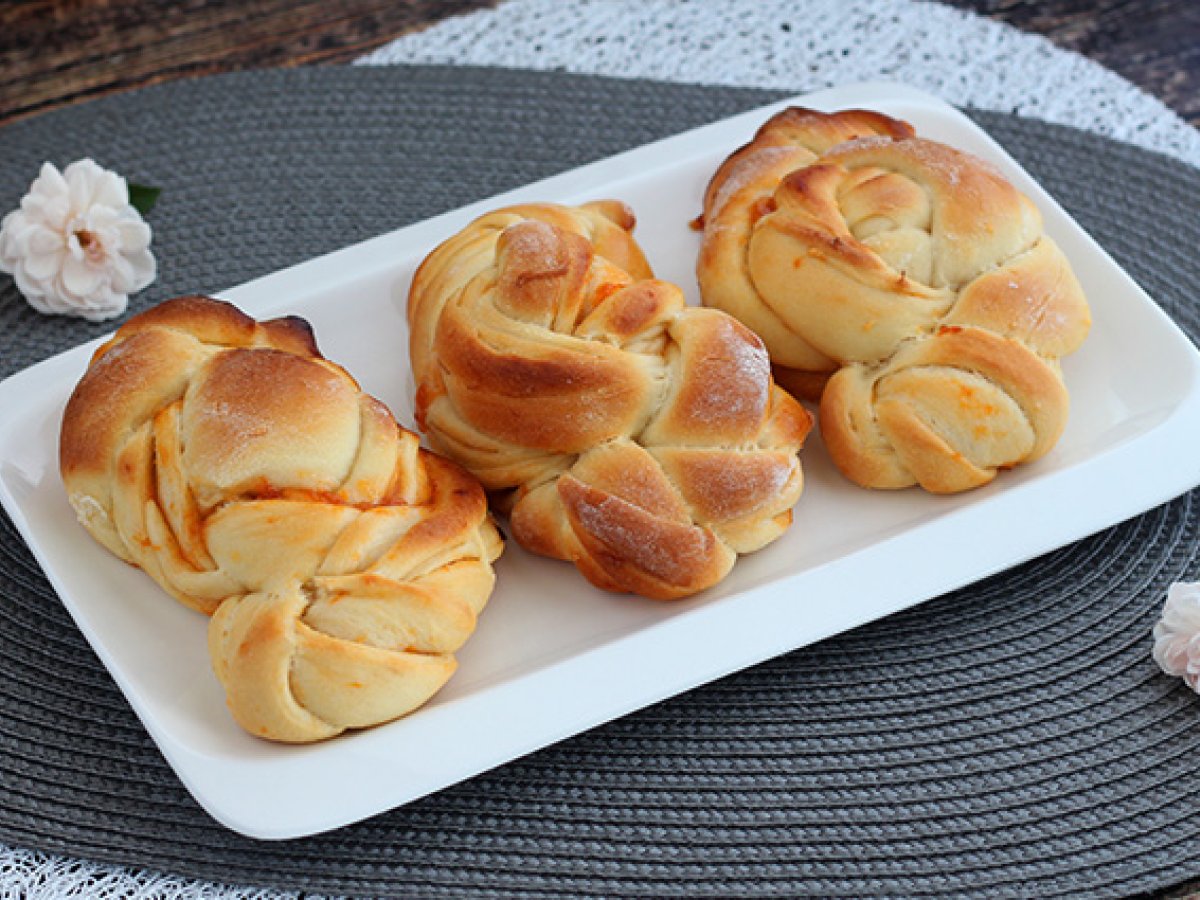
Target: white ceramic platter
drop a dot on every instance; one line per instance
(553, 656)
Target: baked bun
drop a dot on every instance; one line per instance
(910, 275)
(254, 481)
(643, 440)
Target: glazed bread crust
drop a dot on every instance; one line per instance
(255, 482)
(640, 439)
(905, 284)
(739, 194)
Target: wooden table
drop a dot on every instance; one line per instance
(57, 52)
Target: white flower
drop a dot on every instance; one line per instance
(1177, 634)
(75, 246)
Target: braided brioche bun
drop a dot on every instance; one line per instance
(640, 439)
(255, 482)
(906, 284)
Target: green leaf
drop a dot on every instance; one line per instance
(142, 197)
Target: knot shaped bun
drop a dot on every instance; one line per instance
(641, 439)
(254, 481)
(906, 284)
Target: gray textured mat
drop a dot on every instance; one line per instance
(1010, 739)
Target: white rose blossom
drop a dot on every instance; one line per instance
(75, 246)
(1177, 634)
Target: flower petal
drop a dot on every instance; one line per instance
(85, 183)
(40, 242)
(110, 191)
(1177, 633)
(144, 269)
(52, 211)
(10, 242)
(103, 305)
(135, 234)
(98, 217)
(31, 289)
(120, 274)
(43, 266)
(40, 239)
(49, 183)
(79, 278)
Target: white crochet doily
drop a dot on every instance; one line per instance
(804, 45)
(795, 45)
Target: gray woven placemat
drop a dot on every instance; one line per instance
(1009, 739)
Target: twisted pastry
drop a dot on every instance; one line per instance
(913, 278)
(254, 481)
(642, 440)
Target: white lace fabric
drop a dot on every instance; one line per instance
(963, 58)
(31, 875)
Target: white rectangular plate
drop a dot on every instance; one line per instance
(553, 656)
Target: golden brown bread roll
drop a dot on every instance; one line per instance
(254, 481)
(913, 278)
(638, 438)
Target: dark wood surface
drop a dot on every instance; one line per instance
(1153, 43)
(57, 52)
